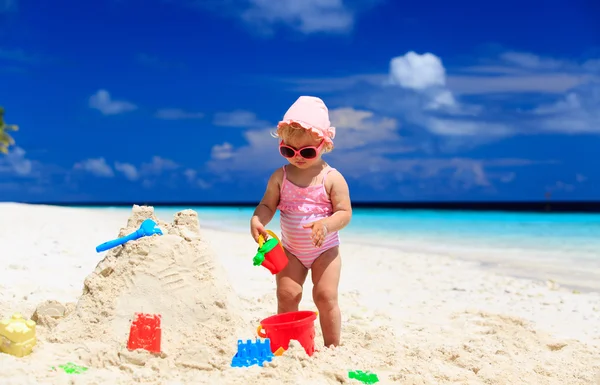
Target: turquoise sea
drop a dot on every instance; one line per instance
(561, 247)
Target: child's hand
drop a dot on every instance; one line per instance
(319, 232)
(257, 228)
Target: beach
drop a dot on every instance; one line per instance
(410, 317)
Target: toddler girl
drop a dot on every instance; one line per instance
(314, 204)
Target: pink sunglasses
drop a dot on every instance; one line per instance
(308, 152)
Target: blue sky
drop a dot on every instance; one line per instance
(174, 100)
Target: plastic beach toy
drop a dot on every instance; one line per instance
(17, 335)
(71, 368)
(270, 254)
(280, 329)
(364, 377)
(252, 353)
(145, 333)
(148, 227)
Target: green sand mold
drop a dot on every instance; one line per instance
(364, 377)
(71, 368)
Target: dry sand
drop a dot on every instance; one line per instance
(411, 318)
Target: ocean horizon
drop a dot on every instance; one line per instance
(563, 247)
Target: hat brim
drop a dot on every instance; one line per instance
(326, 134)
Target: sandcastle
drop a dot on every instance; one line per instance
(174, 275)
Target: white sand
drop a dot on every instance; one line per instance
(411, 318)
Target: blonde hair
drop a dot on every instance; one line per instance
(286, 132)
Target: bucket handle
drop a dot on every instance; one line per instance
(260, 332)
(261, 239)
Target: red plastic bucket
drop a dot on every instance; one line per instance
(296, 325)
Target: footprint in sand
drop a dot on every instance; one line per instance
(172, 278)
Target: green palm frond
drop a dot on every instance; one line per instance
(6, 140)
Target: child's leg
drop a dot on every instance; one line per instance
(326, 278)
(289, 284)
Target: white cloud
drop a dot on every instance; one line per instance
(16, 162)
(307, 16)
(524, 72)
(127, 169)
(264, 17)
(578, 112)
(357, 128)
(508, 177)
(222, 151)
(190, 174)
(95, 166)
(499, 82)
(238, 118)
(569, 103)
(417, 72)
(560, 186)
(103, 102)
(257, 156)
(157, 166)
(529, 60)
(177, 114)
(463, 170)
(443, 99)
(449, 127)
(592, 65)
(320, 85)
(153, 169)
(361, 163)
(192, 177)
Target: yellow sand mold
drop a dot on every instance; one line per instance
(17, 335)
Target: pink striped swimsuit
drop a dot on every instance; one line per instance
(301, 205)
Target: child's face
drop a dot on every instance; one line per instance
(299, 142)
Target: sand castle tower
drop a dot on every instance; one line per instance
(175, 275)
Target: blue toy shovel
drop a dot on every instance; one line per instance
(148, 227)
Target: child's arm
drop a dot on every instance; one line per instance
(340, 199)
(267, 207)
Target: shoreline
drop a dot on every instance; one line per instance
(543, 270)
(513, 267)
(449, 251)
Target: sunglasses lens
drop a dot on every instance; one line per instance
(286, 152)
(308, 153)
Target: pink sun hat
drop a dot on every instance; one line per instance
(310, 113)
